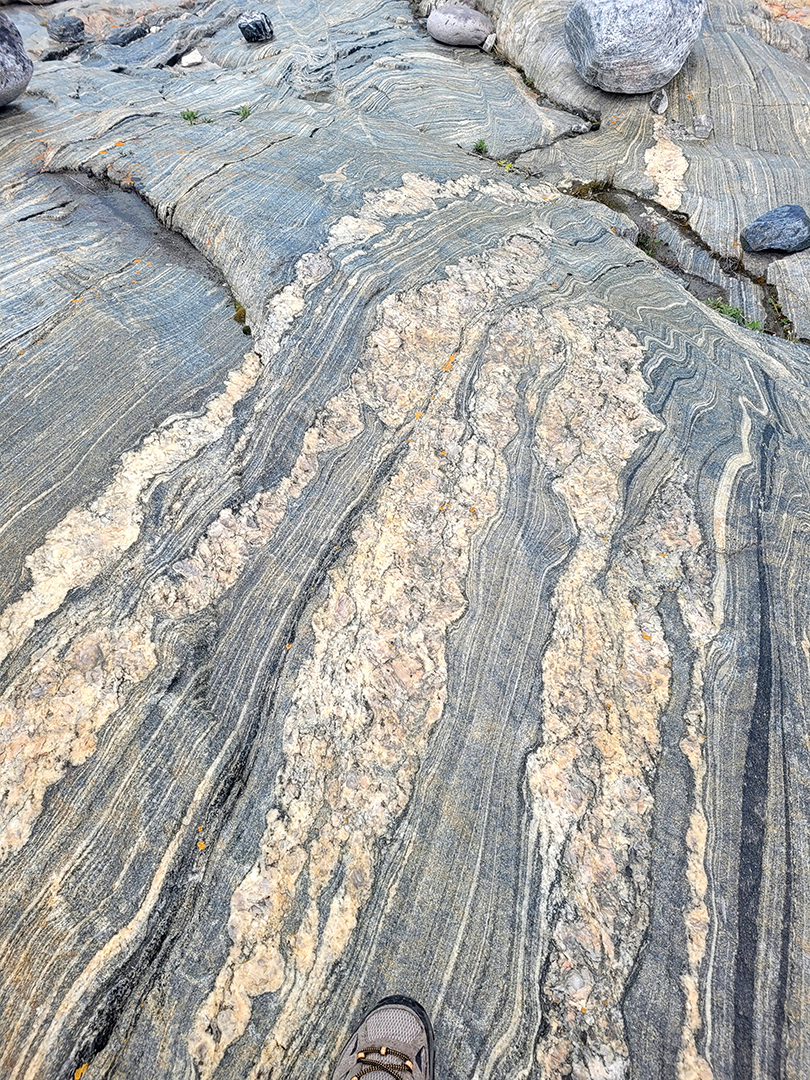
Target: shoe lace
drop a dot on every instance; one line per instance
(398, 1069)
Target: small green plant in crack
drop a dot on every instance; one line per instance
(507, 166)
(192, 117)
(244, 112)
(716, 304)
(784, 322)
(481, 148)
(648, 244)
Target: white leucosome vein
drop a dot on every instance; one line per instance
(445, 634)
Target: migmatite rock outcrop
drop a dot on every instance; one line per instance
(445, 636)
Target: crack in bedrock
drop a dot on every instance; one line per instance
(647, 214)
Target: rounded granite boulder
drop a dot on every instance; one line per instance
(16, 68)
(632, 46)
(459, 25)
(786, 228)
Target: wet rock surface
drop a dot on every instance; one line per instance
(447, 634)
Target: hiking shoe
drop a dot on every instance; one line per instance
(394, 1039)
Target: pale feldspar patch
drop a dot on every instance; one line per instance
(667, 166)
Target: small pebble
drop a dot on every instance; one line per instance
(787, 228)
(191, 59)
(256, 27)
(66, 28)
(659, 102)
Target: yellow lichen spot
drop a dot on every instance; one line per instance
(201, 845)
(79, 1073)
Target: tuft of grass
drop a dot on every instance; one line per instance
(481, 148)
(244, 112)
(716, 304)
(192, 117)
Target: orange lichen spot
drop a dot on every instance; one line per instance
(77, 300)
(136, 260)
(199, 828)
(79, 1073)
(442, 453)
(118, 144)
(647, 637)
(102, 151)
(288, 645)
(201, 845)
(472, 509)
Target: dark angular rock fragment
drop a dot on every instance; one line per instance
(787, 228)
(68, 28)
(16, 68)
(256, 27)
(126, 35)
(632, 46)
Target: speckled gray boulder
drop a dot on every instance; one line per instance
(787, 228)
(459, 25)
(632, 46)
(16, 68)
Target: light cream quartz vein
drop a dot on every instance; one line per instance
(605, 681)
(375, 684)
(666, 166)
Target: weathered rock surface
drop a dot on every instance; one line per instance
(785, 228)
(459, 24)
(446, 636)
(15, 64)
(632, 46)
